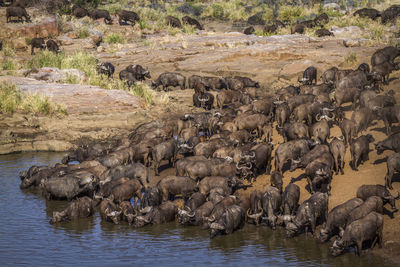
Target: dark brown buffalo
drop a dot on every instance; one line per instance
(366, 191)
(127, 190)
(359, 150)
(16, 11)
(37, 43)
(125, 16)
(390, 143)
(323, 32)
(52, 46)
(164, 151)
(368, 228)
(371, 13)
(290, 151)
(109, 211)
(127, 211)
(291, 197)
(310, 212)
(101, 14)
(176, 185)
(393, 165)
(164, 213)
(173, 22)
(232, 219)
(168, 79)
(338, 150)
(79, 208)
(271, 202)
(373, 203)
(193, 22)
(337, 217)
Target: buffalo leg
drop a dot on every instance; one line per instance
(388, 178)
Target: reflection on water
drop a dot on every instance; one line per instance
(26, 237)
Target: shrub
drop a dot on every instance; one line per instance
(8, 51)
(351, 58)
(291, 13)
(11, 100)
(8, 64)
(83, 33)
(114, 38)
(143, 90)
(87, 3)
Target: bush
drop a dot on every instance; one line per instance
(87, 3)
(291, 13)
(7, 51)
(8, 64)
(11, 100)
(114, 38)
(83, 33)
(351, 58)
(143, 90)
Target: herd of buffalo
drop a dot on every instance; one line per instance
(228, 145)
(214, 152)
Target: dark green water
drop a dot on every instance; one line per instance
(27, 238)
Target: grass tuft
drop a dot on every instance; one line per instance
(114, 38)
(351, 58)
(11, 100)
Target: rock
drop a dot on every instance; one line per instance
(332, 6)
(346, 32)
(65, 40)
(45, 28)
(19, 43)
(56, 75)
(294, 69)
(96, 36)
(354, 42)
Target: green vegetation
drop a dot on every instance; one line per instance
(114, 38)
(291, 13)
(8, 64)
(7, 51)
(83, 33)
(143, 90)
(11, 100)
(351, 58)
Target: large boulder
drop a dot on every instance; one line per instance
(45, 28)
(346, 32)
(56, 75)
(294, 69)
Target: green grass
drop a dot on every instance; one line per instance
(7, 51)
(8, 64)
(83, 33)
(11, 100)
(114, 38)
(351, 58)
(143, 90)
(291, 13)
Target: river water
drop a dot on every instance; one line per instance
(26, 237)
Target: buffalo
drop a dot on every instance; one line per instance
(79, 208)
(368, 228)
(167, 79)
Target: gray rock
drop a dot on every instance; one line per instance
(332, 6)
(56, 75)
